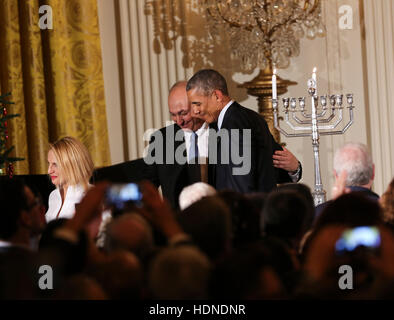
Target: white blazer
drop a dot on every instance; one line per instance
(73, 196)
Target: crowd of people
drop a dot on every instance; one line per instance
(220, 245)
(233, 237)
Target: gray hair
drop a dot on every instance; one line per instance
(180, 273)
(206, 81)
(195, 192)
(141, 243)
(356, 159)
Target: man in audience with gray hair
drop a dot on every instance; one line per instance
(354, 170)
(195, 192)
(179, 273)
(130, 232)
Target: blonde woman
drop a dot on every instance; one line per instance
(70, 167)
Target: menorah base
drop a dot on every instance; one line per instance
(319, 197)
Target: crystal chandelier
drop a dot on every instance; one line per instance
(262, 32)
(252, 33)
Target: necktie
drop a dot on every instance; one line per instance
(193, 149)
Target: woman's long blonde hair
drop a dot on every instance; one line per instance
(74, 161)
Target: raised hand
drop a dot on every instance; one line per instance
(158, 210)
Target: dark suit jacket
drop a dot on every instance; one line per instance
(257, 151)
(366, 192)
(170, 175)
(164, 171)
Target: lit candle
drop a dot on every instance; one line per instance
(274, 85)
(314, 74)
(315, 79)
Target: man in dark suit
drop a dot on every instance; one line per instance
(160, 165)
(244, 160)
(171, 170)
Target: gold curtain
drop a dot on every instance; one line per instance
(55, 77)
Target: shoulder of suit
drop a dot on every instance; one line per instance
(165, 130)
(239, 114)
(238, 109)
(173, 126)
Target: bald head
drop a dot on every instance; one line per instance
(180, 109)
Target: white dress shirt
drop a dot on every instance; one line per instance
(73, 196)
(222, 113)
(202, 141)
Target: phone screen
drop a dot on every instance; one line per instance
(367, 237)
(120, 194)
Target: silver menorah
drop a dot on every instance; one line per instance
(317, 123)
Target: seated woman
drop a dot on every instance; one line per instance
(70, 167)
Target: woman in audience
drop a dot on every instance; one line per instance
(70, 167)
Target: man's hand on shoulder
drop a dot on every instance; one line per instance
(284, 159)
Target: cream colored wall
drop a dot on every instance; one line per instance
(379, 79)
(357, 61)
(112, 79)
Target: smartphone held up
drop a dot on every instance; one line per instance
(366, 238)
(121, 197)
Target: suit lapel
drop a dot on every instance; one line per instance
(212, 144)
(227, 115)
(178, 144)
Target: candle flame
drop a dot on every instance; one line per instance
(314, 69)
(274, 71)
